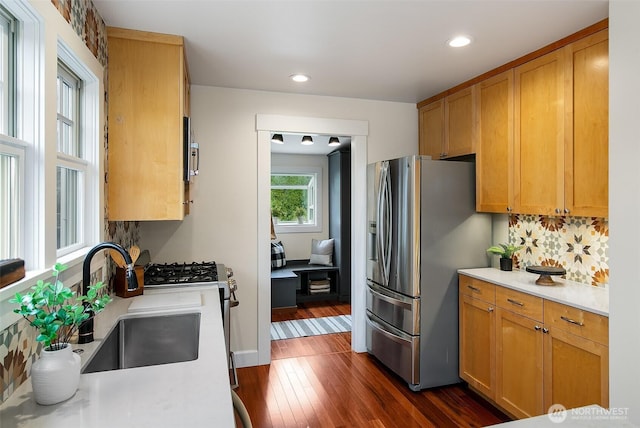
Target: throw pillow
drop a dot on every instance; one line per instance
(278, 258)
(321, 252)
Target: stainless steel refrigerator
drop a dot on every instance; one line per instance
(422, 228)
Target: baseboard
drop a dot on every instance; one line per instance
(246, 358)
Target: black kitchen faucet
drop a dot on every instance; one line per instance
(85, 332)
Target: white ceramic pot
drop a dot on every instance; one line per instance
(55, 375)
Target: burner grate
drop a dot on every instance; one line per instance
(180, 273)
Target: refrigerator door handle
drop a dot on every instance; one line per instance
(389, 332)
(389, 299)
(386, 221)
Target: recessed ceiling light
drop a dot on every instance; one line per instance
(300, 78)
(277, 139)
(334, 141)
(307, 140)
(459, 41)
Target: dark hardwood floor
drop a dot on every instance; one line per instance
(319, 382)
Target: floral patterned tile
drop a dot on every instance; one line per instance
(578, 244)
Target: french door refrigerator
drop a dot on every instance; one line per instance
(422, 227)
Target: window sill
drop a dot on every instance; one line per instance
(72, 274)
(297, 228)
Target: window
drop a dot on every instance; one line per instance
(295, 198)
(71, 165)
(11, 150)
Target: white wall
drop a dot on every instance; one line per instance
(298, 245)
(624, 206)
(223, 223)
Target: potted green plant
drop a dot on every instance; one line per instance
(506, 252)
(301, 213)
(56, 312)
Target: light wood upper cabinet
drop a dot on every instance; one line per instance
(539, 129)
(494, 149)
(561, 131)
(539, 135)
(447, 126)
(431, 124)
(147, 102)
(587, 148)
(459, 123)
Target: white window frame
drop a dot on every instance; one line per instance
(19, 138)
(291, 227)
(88, 134)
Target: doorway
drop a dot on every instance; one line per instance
(358, 130)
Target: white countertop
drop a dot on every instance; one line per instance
(587, 297)
(592, 416)
(187, 394)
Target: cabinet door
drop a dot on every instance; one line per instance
(494, 149)
(146, 108)
(477, 344)
(519, 358)
(431, 122)
(458, 119)
(587, 152)
(576, 370)
(539, 135)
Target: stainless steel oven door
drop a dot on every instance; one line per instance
(402, 312)
(397, 350)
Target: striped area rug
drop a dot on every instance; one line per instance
(310, 327)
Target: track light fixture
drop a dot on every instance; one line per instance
(334, 141)
(277, 139)
(307, 140)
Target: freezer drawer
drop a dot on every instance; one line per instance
(402, 312)
(398, 351)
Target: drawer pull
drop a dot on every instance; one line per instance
(490, 309)
(474, 289)
(537, 328)
(515, 302)
(545, 330)
(578, 323)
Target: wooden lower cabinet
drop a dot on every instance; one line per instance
(519, 362)
(477, 337)
(576, 363)
(525, 353)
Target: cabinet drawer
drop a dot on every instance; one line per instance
(576, 321)
(477, 288)
(519, 303)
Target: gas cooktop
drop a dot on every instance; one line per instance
(181, 273)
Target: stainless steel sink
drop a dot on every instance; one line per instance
(147, 341)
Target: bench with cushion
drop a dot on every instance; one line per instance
(290, 284)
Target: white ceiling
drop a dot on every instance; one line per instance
(391, 50)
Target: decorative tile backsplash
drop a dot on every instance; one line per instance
(578, 244)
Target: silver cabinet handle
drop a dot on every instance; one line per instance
(490, 309)
(515, 302)
(545, 330)
(566, 211)
(569, 320)
(537, 328)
